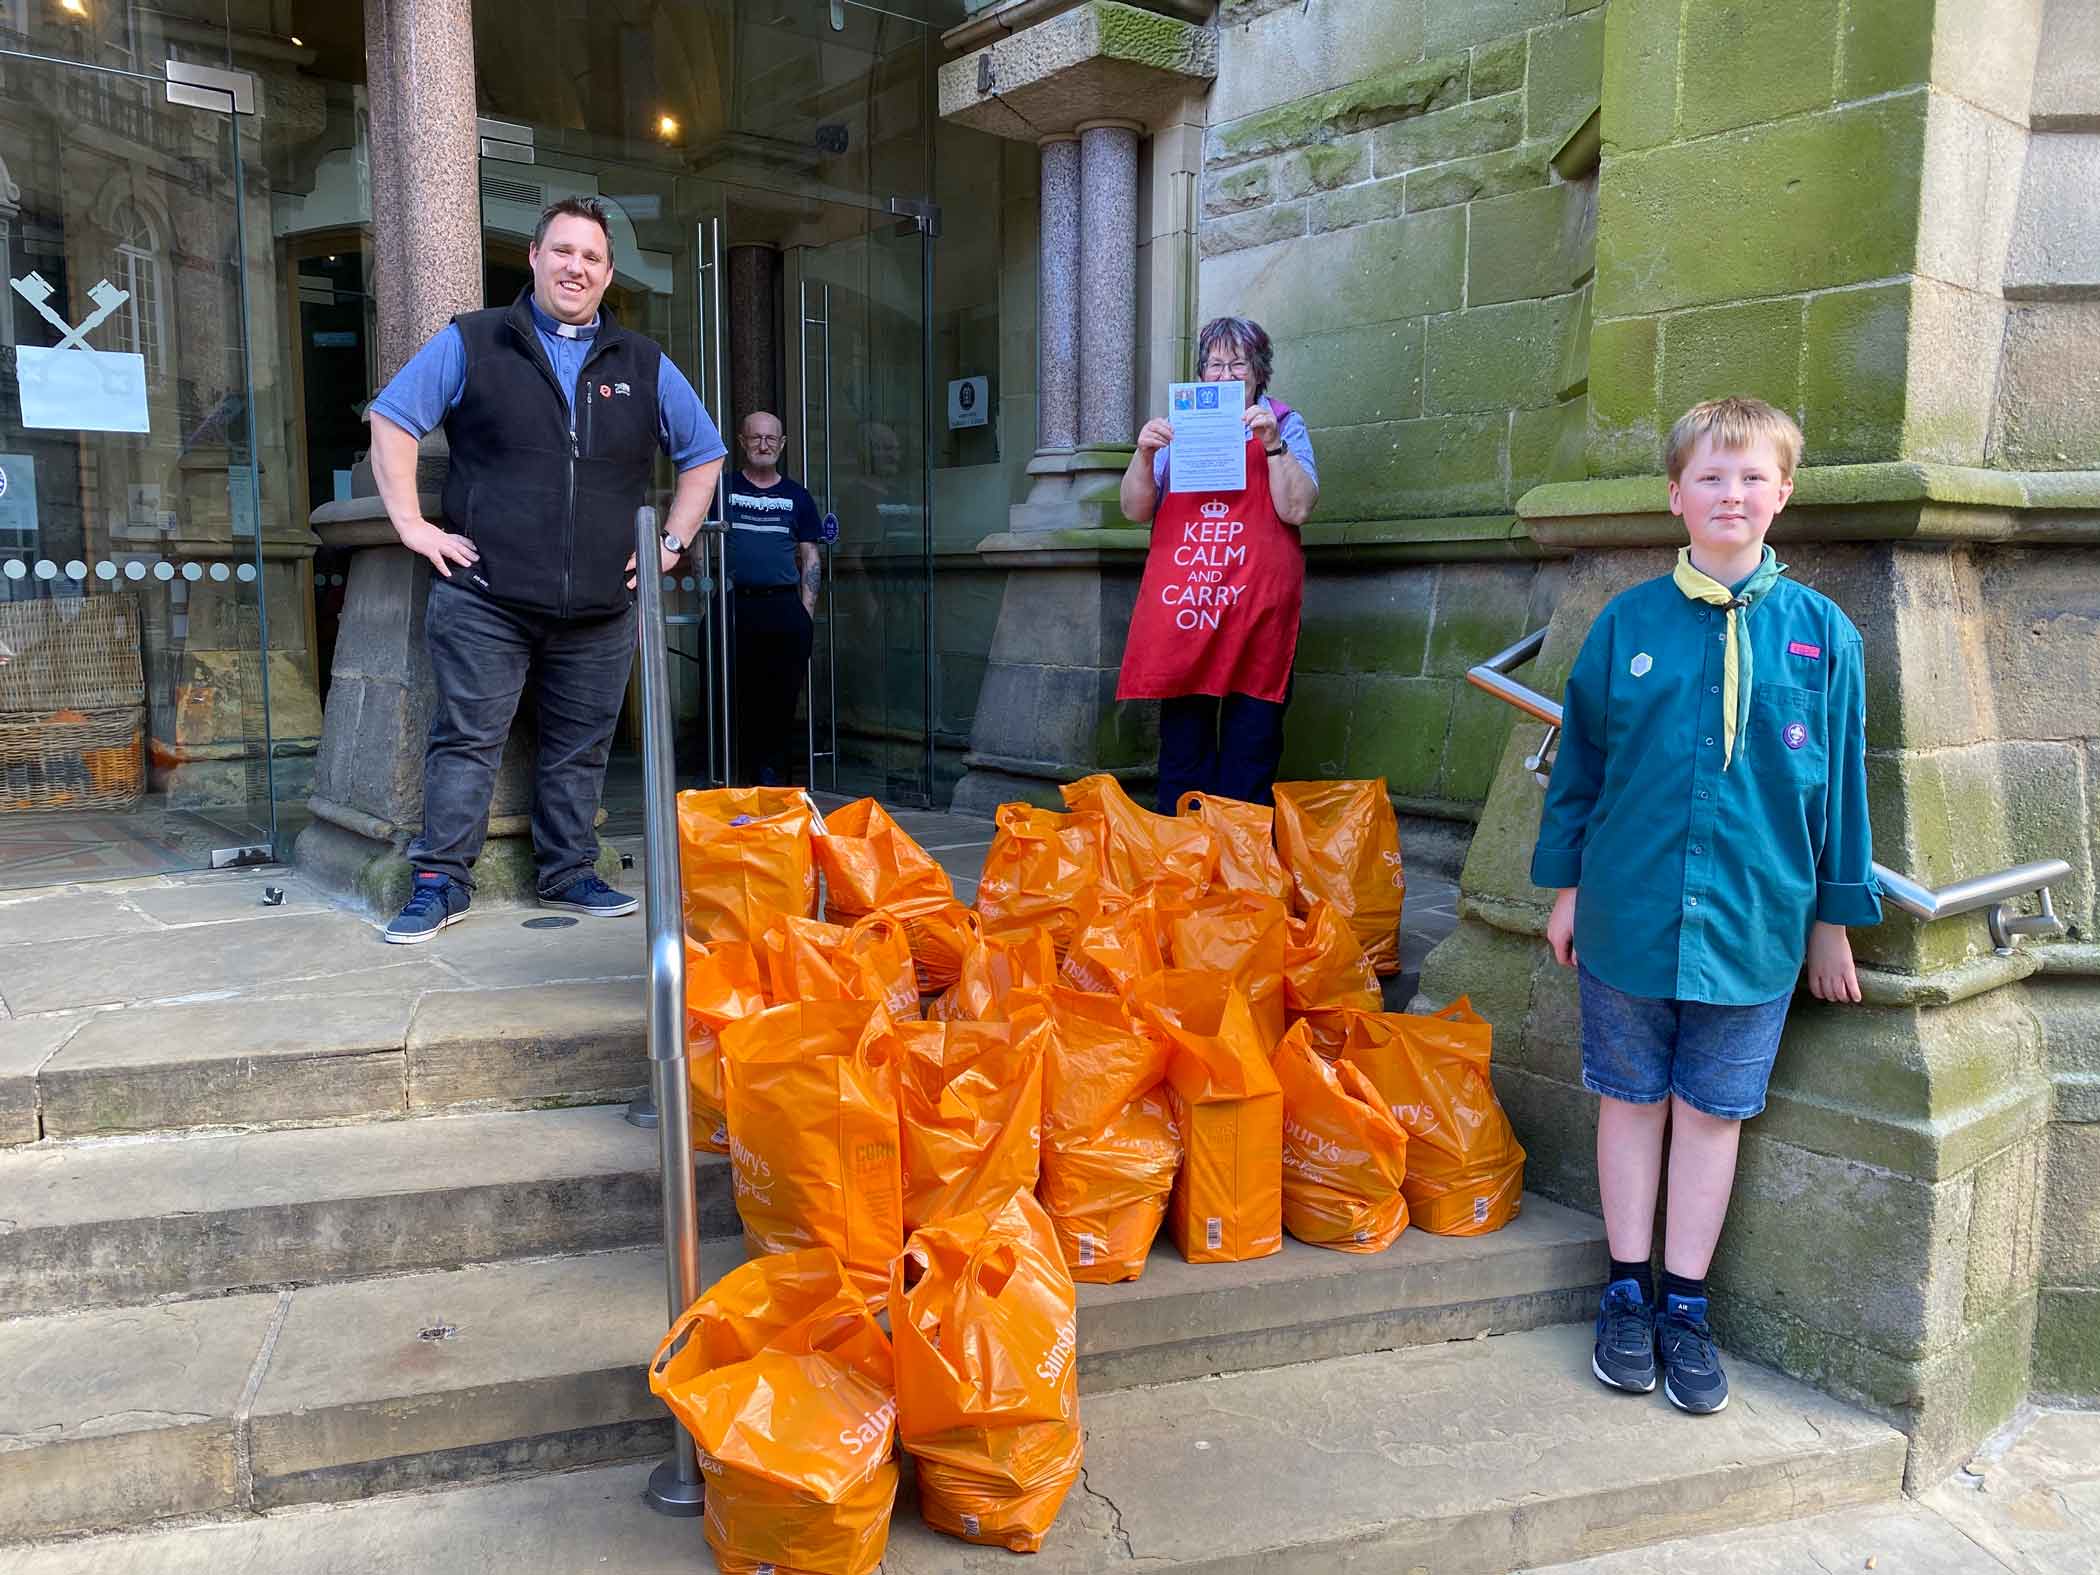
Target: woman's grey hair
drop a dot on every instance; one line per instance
(1243, 338)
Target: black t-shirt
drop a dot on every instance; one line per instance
(764, 525)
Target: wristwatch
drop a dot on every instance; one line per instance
(677, 547)
(1273, 452)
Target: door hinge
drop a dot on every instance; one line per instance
(926, 215)
(211, 87)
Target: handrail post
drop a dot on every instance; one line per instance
(674, 1486)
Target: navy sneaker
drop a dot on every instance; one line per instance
(588, 894)
(1625, 1354)
(433, 902)
(1692, 1376)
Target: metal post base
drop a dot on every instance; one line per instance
(642, 1113)
(669, 1496)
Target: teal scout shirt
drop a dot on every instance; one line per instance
(1699, 884)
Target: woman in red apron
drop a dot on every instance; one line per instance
(1215, 629)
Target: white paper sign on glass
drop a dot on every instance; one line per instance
(1209, 451)
(82, 390)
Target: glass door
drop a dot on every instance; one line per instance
(134, 691)
(860, 404)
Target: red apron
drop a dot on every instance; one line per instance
(1217, 611)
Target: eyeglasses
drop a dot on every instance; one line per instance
(764, 439)
(1226, 368)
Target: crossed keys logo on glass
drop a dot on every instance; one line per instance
(1399, 876)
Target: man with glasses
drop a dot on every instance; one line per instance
(1215, 629)
(775, 573)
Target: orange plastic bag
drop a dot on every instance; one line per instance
(987, 1333)
(1326, 977)
(1110, 1145)
(814, 1147)
(722, 984)
(996, 966)
(1465, 1168)
(1228, 1200)
(972, 1108)
(737, 877)
(1041, 870)
(1246, 937)
(1246, 838)
(1344, 1153)
(1341, 842)
(809, 960)
(1144, 849)
(1121, 940)
(940, 939)
(787, 1385)
(870, 862)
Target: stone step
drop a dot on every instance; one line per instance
(123, 1221)
(315, 1059)
(333, 1392)
(1474, 1456)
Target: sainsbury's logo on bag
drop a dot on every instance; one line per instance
(751, 1175)
(874, 1427)
(1052, 1367)
(1312, 1146)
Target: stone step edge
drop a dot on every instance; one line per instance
(585, 1412)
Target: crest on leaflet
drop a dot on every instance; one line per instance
(1214, 510)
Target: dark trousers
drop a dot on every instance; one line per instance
(481, 654)
(1228, 748)
(772, 644)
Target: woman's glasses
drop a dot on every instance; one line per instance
(1223, 369)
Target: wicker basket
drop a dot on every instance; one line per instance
(72, 760)
(76, 653)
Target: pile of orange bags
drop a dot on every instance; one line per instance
(787, 1384)
(1341, 843)
(987, 1338)
(1465, 1168)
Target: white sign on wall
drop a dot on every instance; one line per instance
(969, 398)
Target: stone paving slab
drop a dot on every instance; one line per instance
(211, 901)
(68, 915)
(25, 1047)
(131, 1220)
(573, 1043)
(160, 1067)
(495, 949)
(113, 1419)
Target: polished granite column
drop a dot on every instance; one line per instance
(1108, 152)
(1057, 300)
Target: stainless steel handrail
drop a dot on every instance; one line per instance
(674, 1486)
(1969, 895)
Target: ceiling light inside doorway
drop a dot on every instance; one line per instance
(298, 43)
(73, 7)
(667, 127)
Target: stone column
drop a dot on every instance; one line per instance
(1057, 300)
(1108, 282)
(426, 169)
(754, 332)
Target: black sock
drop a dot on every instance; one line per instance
(1640, 1273)
(1678, 1285)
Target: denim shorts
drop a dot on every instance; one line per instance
(1641, 1050)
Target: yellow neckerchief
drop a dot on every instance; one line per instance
(1735, 682)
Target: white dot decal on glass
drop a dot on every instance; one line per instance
(76, 570)
(105, 571)
(46, 569)
(669, 583)
(192, 572)
(686, 584)
(218, 571)
(14, 568)
(245, 573)
(134, 570)
(164, 571)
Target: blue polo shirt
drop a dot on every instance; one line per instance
(429, 385)
(1699, 884)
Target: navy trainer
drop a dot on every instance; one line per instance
(588, 894)
(1692, 1376)
(1625, 1354)
(434, 901)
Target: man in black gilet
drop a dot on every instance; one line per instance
(555, 415)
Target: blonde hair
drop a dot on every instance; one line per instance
(1734, 423)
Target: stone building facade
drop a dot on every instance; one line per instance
(1501, 244)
